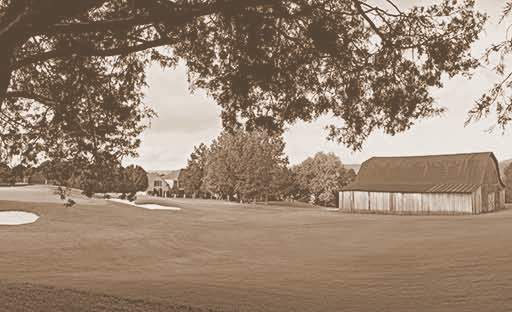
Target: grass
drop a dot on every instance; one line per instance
(105, 256)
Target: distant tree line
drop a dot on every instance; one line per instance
(251, 166)
(110, 178)
(6, 175)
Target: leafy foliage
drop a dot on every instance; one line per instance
(19, 172)
(246, 164)
(299, 60)
(193, 175)
(136, 179)
(72, 73)
(107, 178)
(6, 175)
(498, 100)
(321, 177)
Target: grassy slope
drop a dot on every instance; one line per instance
(266, 258)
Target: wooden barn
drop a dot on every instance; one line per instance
(438, 184)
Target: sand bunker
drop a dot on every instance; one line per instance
(145, 206)
(17, 217)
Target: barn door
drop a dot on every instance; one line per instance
(491, 202)
(497, 202)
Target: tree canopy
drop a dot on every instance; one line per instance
(72, 73)
(321, 177)
(6, 175)
(245, 164)
(497, 100)
(194, 173)
(94, 178)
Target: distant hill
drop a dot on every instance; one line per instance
(355, 167)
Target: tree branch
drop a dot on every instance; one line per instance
(176, 17)
(394, 6)
(31, 96)
(81, 51)
(357, 4)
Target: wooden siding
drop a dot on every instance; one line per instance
(346, 201)
(361, 201)
(476, 200)
(491, 202)
(502, 200)
(379, 201)
(410, 203)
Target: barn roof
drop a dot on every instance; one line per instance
(457, 173)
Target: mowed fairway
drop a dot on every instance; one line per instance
(105, 256)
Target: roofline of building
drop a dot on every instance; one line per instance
(491, 154)
(402, 192)
(432, 155)
(497, 166)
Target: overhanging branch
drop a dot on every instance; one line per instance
(81, 51)
(171, 16)
(31, 96)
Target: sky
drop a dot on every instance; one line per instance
(186, 119)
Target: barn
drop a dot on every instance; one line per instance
(436, 184)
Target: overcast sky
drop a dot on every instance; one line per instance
(187, 119)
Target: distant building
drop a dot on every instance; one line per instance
(173, 179)
(165, 183)
(450, 184)
(157, 185)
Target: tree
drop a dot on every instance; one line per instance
(283, 185)
(6, 176)
(508, 183)
(90, 178)
(220, 177)
(72, 73)
(106, 179)
(193, 175)
(19, 172)
(136, 178)
(57, 171)
(95, 177)
(321, 177)
(245, 164)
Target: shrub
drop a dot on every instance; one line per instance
(70, 203)
(132, 196)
